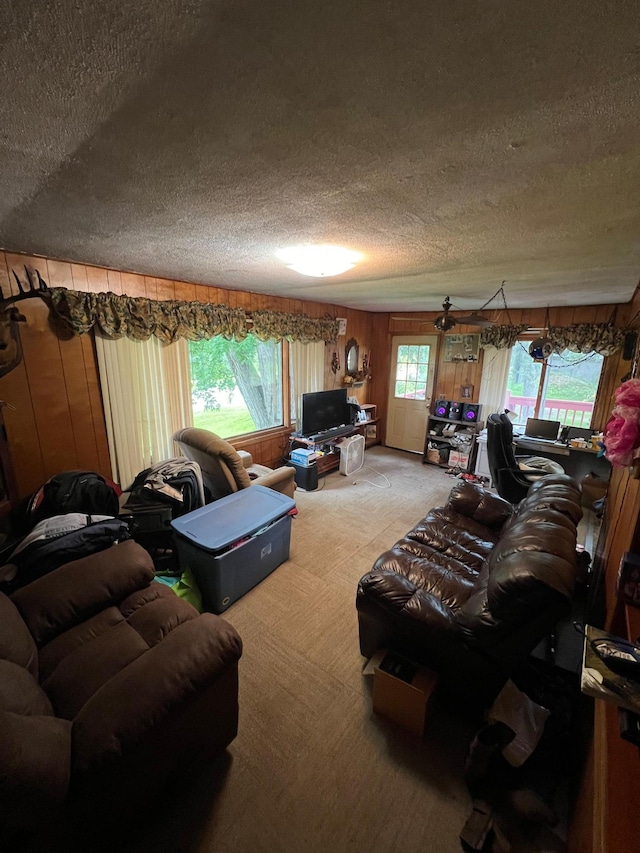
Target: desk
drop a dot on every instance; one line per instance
(576, 461)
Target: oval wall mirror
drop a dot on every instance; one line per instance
(352, 356)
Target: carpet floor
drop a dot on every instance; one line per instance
(313, 768)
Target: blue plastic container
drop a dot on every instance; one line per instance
(233, 543)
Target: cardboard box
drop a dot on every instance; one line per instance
(303, 456)
(401, 689)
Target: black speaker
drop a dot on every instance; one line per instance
(455, 411)
(471, 413)
(441, 409)
(306, 476)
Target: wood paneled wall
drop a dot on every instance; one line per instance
(58, 422)
(450, 376)
(56, 419)
(607, 819)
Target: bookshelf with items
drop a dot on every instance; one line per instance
(451, 443)
(368, 427)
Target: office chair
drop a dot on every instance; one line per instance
(509, 480)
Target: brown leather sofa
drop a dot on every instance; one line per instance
(110, 686)
(475, 585)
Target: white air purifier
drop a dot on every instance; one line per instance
(351, 455)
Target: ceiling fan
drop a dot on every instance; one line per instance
(445, 322)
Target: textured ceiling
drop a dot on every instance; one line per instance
(454, 144)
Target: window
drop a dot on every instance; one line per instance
(412, 369)
(236, 387)
(562, 389)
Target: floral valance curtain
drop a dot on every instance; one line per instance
(274, 325)
(501, 337)
(602, 338)
(140, 318)
(587, 337)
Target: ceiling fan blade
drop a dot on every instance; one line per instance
(476, 320)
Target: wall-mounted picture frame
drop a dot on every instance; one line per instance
(461, 347)
(342, 325)
(466, 392)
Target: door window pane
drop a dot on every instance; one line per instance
(412, 368)
(236, 387)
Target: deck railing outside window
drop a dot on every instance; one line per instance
(568, 412)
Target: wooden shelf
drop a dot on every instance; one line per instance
(363, 426)
(471, 429)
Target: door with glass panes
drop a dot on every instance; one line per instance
(413, 359)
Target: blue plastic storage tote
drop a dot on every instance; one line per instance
(232, 544)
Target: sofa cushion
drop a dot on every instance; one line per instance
(20, 693)
(65, 644)
(155, 621)
(16, 643)
(429, 570)
(82, 660)
(82, 588)
(83, 672)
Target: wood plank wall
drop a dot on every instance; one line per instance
(57, 420)
(606, 817)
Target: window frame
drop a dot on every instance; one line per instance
(285, 389)
(526, 339)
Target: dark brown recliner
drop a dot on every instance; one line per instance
(476, 585)
(110, 686)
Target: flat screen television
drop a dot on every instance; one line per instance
(324, 410)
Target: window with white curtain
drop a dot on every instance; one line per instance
(146, 392)
(151, 389)
(306, 367)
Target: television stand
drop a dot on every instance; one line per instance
(330, 447)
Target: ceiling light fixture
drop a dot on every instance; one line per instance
(319, 261)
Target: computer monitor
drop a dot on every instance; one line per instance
(540, 428)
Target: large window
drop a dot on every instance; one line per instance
(236, 387)
(561, 389)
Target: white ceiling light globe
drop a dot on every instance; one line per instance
(319, 261)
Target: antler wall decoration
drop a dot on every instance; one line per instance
(10, 316)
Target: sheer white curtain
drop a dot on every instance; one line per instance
(146, 392)
(307, 370)
(493, 384)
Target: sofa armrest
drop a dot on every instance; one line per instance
(392, 610)
(247, 458)
(125, 711)
(395, 594)
(35, 760)
(472, 501)
(281, 480)
(78, 590)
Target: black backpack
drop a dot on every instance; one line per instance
(73, 491)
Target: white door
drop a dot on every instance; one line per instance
(413, 361)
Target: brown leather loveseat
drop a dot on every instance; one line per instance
(475, 585)
(110, 685)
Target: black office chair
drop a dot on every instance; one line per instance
(510, 482)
